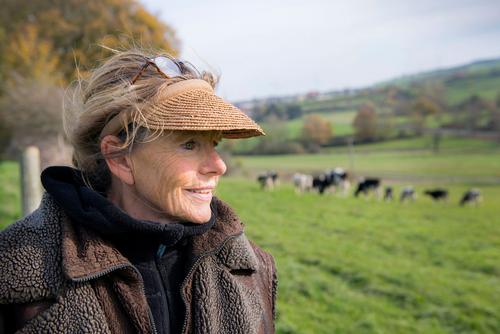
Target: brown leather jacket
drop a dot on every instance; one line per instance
(57, 277)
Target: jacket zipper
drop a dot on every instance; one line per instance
(193, 267)
(116, 267)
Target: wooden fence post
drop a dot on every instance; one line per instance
(31, 188)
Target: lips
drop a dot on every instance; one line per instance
(203, 194)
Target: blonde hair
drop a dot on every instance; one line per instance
(89, 104)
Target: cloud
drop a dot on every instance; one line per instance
(264, 48)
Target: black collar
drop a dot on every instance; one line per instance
(94, 211)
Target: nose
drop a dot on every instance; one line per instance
(213, 163)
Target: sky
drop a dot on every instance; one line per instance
(264, 48)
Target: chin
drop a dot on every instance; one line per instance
(201, 216)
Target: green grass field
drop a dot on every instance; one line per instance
(351, 265)
(458, 160)
(10, 195)
(487, 88)
(363, 266)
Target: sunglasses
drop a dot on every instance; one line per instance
(167, 67)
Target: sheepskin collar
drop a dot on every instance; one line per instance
(94, 211)
(86, 254)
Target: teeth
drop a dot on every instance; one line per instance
(200, 191)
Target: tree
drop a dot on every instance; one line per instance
(294, 111)
(494, 122)
(426, 107)
(365, 123)
(31, 57)
(40, 44)
(59, 33)
(475, 111)
(316, 130)
(275, 111)
(423, 108)
(277, 140)
(31, 113)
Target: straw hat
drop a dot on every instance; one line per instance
(189, 105)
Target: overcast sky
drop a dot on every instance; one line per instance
(269, 48)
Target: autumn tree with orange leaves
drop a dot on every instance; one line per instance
(316, 130)
(47, 38)
(46, 44)
(365, 123)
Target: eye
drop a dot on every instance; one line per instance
(189, 145)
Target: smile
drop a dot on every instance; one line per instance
(200, 194)
(200, 191)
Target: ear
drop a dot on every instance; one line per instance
(120, 166)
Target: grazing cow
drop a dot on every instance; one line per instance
(368, 185)
(408, 193)
(336, 177)
(340, 178)
(437, 194)
(321, 183)
(268, 180)
(471, 196)
(388, 194)
(302, 182)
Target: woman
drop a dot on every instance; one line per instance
(133, 241)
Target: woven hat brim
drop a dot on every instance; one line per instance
(200, 110)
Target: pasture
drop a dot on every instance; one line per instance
(363, 266)
(351, 265)
(411, 160)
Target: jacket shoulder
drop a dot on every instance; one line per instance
(266, 258)
(30, 256)
(271, 275)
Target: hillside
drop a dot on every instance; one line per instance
(479, 77)
(459, 98)
(471, 69)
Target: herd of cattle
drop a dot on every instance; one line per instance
(337, 180)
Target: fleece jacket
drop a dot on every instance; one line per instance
(60, 276)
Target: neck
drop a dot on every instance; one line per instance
(126, 198)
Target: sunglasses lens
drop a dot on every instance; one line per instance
(167, 66)
(188, 67)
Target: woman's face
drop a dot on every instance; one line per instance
(176, 174)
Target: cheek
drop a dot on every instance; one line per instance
(171, 183)
(155, 178)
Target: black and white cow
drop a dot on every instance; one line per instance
(321, 182)
(337, 177)
(368, 185)
(302, 182)
(388, 194)
(268, 180)
(407, 194)
(472, 196)
(437, 194)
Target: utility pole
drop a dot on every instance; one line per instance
(350, 145)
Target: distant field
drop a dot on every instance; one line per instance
(459, 160)
(341, 126)
(488, 88)
(341, 123)
(424, 143)
(362, 266)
